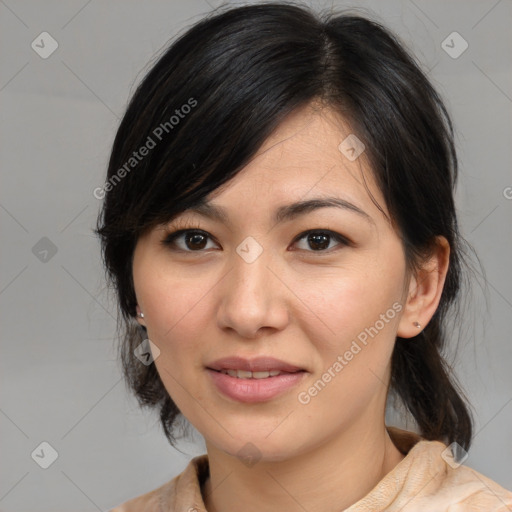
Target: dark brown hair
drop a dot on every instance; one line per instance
(208, 104)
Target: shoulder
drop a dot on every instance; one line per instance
(470, 490)
(433, 479)
(181, 493)
(429, 478)
(148, 502)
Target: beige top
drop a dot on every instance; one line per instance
(422, 482)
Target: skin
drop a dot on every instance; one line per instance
(294, 302)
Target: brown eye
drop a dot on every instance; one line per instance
(189, 241)
(195, 240)
(319, 241)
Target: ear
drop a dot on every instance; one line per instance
(140, 318)
(424, 290)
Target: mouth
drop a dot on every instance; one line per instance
(250, 368)
(245, 374)
(255, 380)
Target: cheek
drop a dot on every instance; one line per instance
(354, 343)
(346, 304)
(356, 314)
(176, 318)
(171, 306)
(176, 311)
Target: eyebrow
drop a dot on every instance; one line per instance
(283, 213)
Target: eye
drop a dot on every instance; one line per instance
(320, 240)
(196, 240)
(191, 240)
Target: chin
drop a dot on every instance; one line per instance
(253, 446)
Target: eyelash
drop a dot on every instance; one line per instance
(170, 238)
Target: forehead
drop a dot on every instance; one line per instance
(308, 155)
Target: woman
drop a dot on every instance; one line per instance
(280, 229)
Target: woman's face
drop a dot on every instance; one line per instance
(257, 284)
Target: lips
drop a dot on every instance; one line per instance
(259, 364)
(254, 380)
(243, 374)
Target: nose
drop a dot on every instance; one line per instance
(252, 298)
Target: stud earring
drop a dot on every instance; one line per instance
(416, 324)
(141, 314)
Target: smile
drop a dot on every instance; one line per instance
(244, 374)
(250, 387)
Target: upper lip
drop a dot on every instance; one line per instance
(258, 364)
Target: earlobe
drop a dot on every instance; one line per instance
(425, 289)
(140, 316)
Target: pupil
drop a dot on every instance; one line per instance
(316, 240)
(196, 239)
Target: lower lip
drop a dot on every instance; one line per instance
(255, 390)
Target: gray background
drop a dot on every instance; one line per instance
(60, 380)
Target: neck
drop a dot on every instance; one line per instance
(328, 478)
